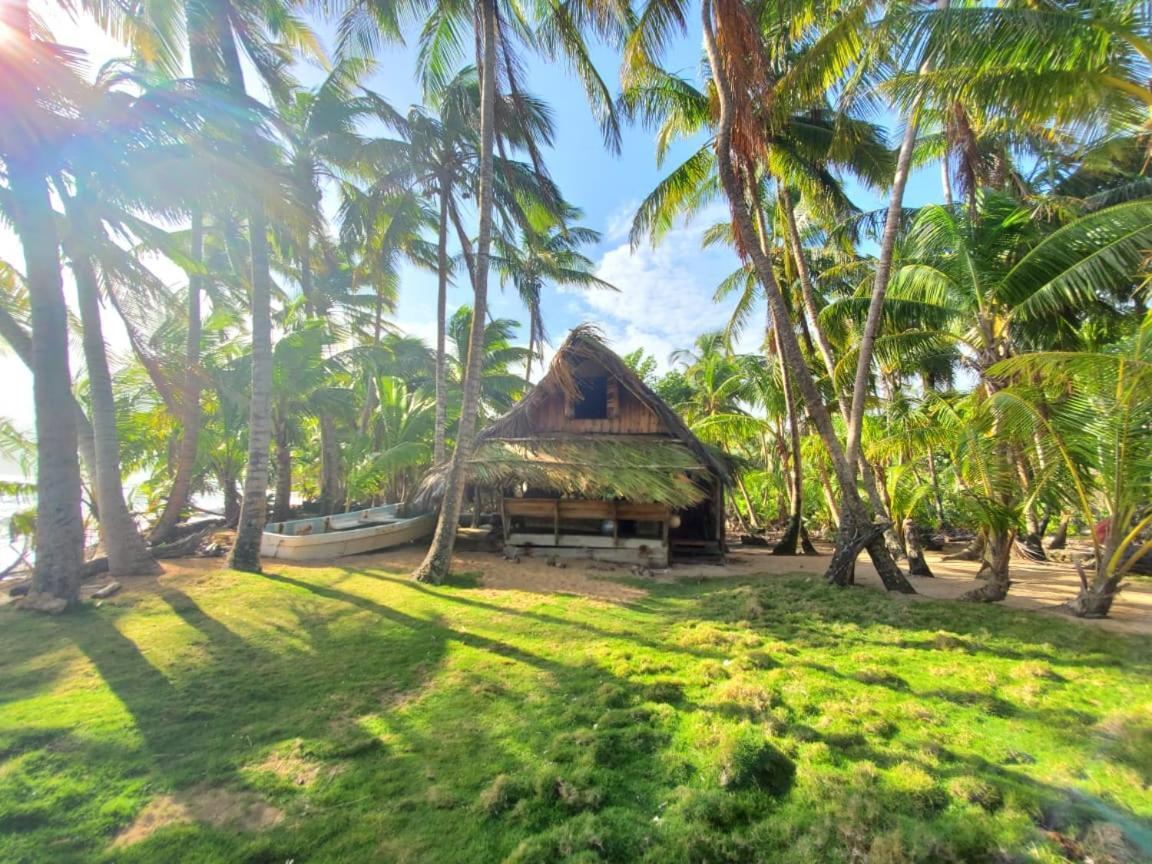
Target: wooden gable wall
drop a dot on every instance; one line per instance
(627, 414)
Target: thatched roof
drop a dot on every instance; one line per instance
(659, 468)
(586, 343)
(649, 469)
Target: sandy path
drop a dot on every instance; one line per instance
(1035, 587)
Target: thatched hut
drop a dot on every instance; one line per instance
(592, 463)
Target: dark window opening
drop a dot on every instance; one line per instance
(592, 403)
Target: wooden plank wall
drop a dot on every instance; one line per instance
(632, 417)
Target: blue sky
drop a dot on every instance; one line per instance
(664, 298)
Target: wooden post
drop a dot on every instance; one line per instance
(504, 520)
(721, 522)
(615, 525)
(556, 521)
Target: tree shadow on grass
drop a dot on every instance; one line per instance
(206, 720)
(542, 617)
(825, 616)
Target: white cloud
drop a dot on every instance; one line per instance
(620, 222)
(665, 297)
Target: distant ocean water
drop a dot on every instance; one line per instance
(11, 505)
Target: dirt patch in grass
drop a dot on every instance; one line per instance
(208, 805)
(532, 573)
(293, 765)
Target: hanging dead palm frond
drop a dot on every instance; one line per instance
(604, 467)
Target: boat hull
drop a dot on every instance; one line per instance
(344, 534)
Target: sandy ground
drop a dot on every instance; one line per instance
(1040, 588)
(1035, 587)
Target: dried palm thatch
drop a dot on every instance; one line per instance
(586, 342)
(674, 469)
(625, 467)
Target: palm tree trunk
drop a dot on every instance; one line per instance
(1060, 537)
(438, 445)
(917, 563)
(190, 409)
(531, 353)
(856, 530)
(227, 483)
(789, 542)
(996, 552)
(787, 545)
(1096, 597)
(946, 182)
(934, 477)
(753, 522)
(283, 495)
(254, 507)
(127, 554)
(465, 246)
(331, 468)
(807, 290)
(21, 344)
(824, 347)
(306, 288)
(855, 417)
(829, 495)
(59, 524)
(438, 560)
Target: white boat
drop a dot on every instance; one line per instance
(342, 534)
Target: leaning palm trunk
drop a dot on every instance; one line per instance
(438, 446)
(59, 525)
(824, 347)
(254, 507)
(190, 408)
(856, 529)
(127, 554)
(867, 347)
(438, 560)
(753, 522)
(996, 552)
(1096, 596)
(787, 545)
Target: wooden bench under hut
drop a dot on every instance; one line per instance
(593, 464)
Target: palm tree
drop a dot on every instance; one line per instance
(734, 156)
(300, 376)
(127, 554)
(383, 462)
(1095, 410)
(987, 286)
(139, 137)
(14, 330)
(437, 152)
(253, 509)
(500, 387)
(38, 83)
(540, 258)
(760, 139)
(559, 29)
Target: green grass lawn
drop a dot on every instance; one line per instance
(731, 721)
